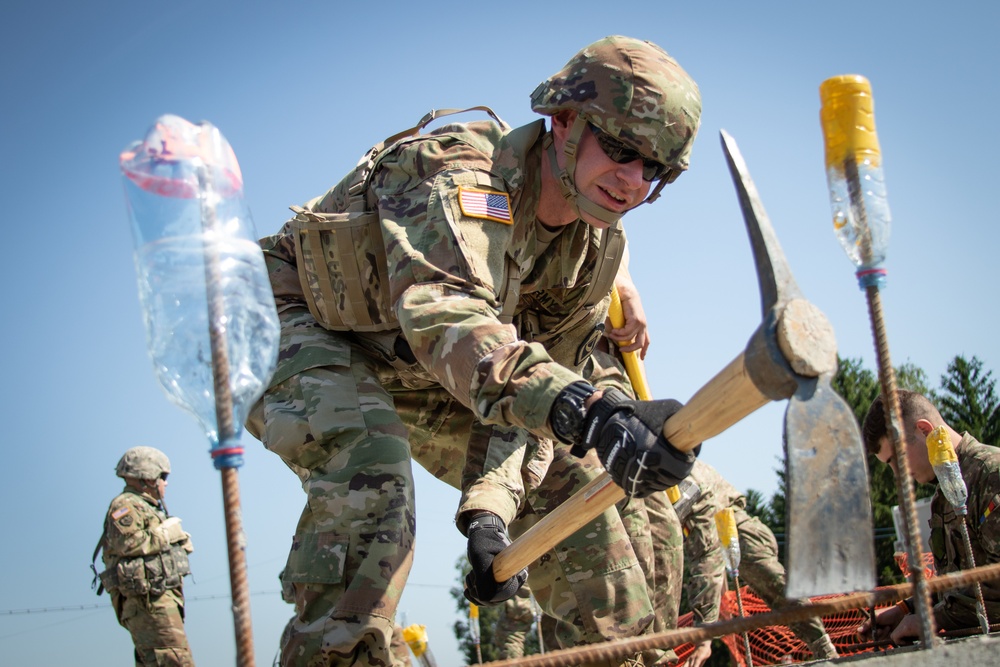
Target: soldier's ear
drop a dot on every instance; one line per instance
(925, 427)
(562, 121)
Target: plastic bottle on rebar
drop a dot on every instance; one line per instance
(199, 266)
(725, 524)
(943, 459)
(861, 217)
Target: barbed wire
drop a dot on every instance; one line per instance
(192, 598)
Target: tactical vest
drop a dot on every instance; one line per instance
(153, 574)
(139, 575)
(342, 262)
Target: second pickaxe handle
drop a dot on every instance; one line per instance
(726, 399)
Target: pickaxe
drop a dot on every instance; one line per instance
(792, 355)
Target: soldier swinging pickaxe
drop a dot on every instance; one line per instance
(792, 355)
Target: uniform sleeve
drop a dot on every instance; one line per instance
(706, 580)
(957, 608)
(132, 530)
(446, 272)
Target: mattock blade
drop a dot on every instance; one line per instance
(793, 355)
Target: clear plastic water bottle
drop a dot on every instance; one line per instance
(861, 218)
(199, 267)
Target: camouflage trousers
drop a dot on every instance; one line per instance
(763, 572)
(594, 583)
(511, 629)
(157, 628)
(651, 523)
(348, 427)
(668, 559)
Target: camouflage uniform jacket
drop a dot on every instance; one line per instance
(131, 527)
(132, 537)
(447, 268)
(704, 493)
(980, 466)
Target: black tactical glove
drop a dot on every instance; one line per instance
(628, 436)
(487, 537)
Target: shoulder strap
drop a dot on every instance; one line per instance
(93, 560)
(366, 165)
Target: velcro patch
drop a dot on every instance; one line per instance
(485, 204)
(120, 512)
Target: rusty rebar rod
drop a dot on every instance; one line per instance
(621, 648)
(225, 427)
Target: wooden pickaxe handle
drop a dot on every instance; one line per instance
(726, 399)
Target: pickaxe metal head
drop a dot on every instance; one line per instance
(793, 355)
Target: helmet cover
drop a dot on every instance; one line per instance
(143, 463)
(632, 90)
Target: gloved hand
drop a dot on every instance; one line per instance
(172, 531)
(487, 537)
(628, 436)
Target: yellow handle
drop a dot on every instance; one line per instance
(633, 364)
(847, 115)
(939, 447)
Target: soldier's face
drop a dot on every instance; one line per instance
(916, 458)
(616, 187)
(612, 185)
(161, 487)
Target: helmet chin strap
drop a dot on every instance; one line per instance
(565, 176)
(567, 184)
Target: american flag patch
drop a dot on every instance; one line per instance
(485, 204)
(119, 513)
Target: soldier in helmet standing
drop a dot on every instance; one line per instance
(145, 559)
(399, 291)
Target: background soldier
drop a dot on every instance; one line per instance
(145, 559)
(397, 289)
(980, 465)
(702, 495)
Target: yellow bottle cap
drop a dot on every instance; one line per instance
(674, 494)
(473, 610)
(725, 523)
(847, 114)
(939, 447)
(416, 638)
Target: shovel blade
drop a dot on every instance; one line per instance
(830, 540)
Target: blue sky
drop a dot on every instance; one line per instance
(301, 90)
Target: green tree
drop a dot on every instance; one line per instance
(968, 401)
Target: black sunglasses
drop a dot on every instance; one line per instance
(163, 476)
(623, 154)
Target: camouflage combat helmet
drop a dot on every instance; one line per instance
(143, 463)
(633, 91)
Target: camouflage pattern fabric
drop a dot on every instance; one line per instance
(668, 554)
(347, 410)
(400, 649)
(980, 466)
(655, 105)
(156, 622)
(512, 627)
(651, 523)
(157, 628)
(759, 564)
